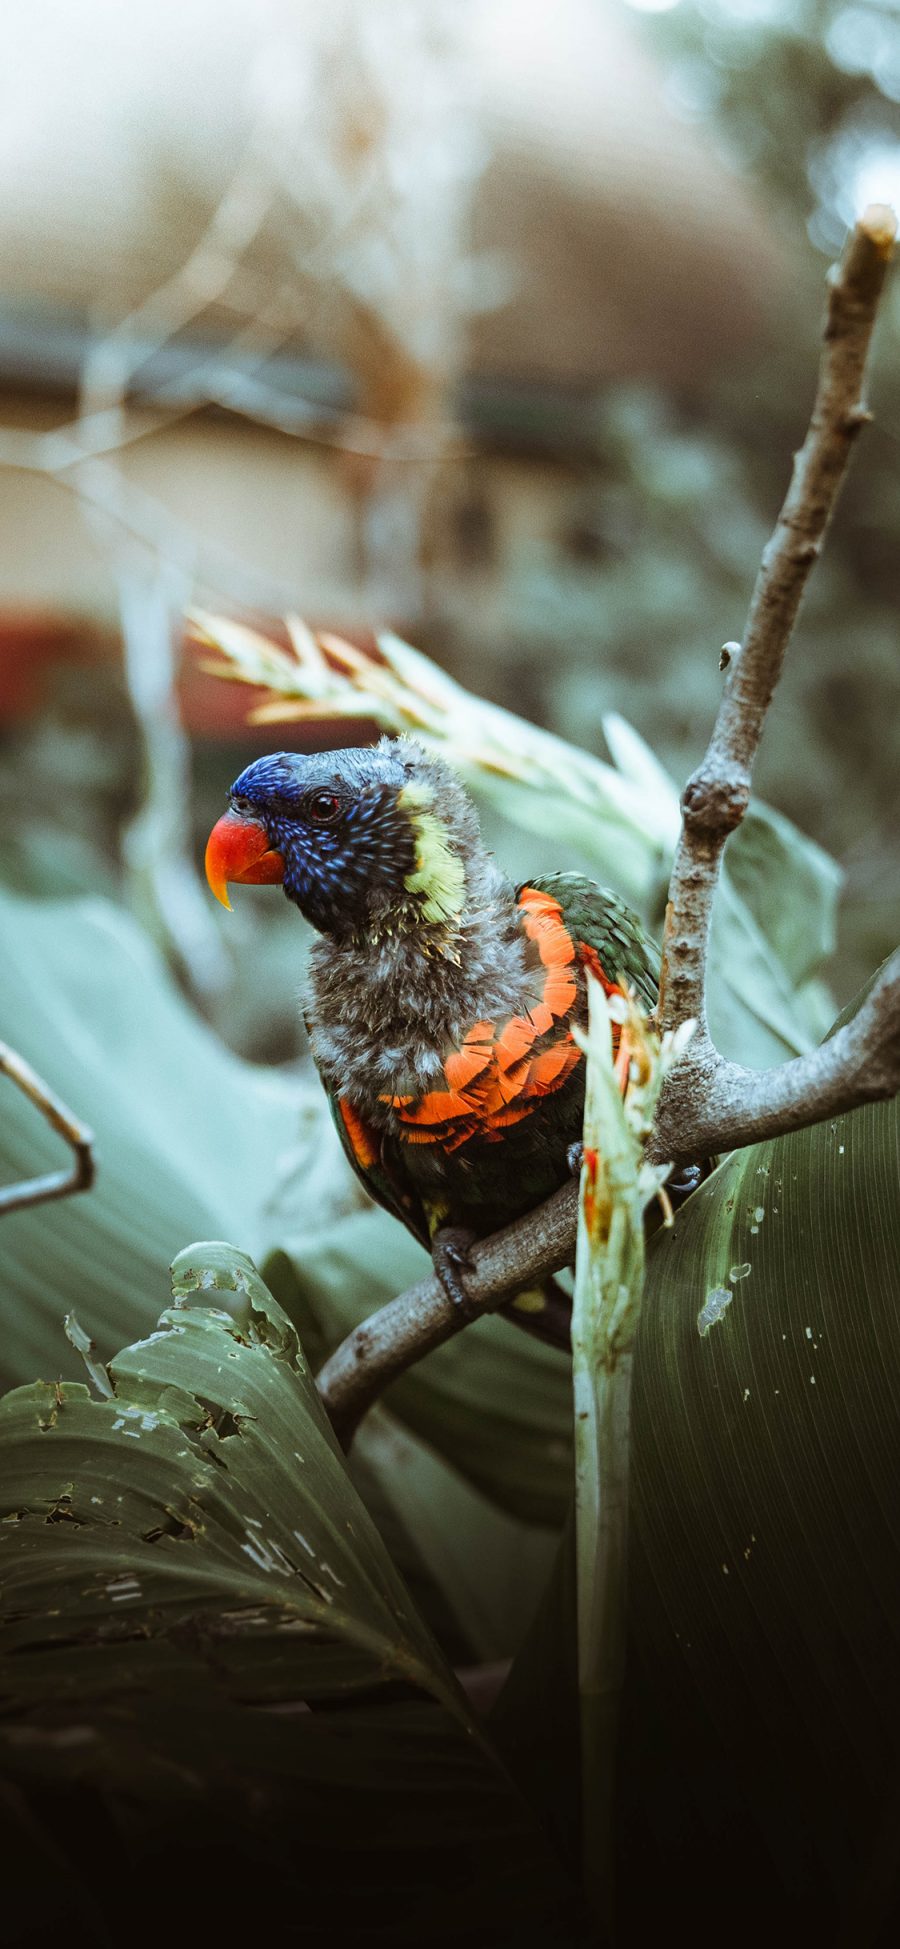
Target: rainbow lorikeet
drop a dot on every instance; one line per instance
(442, 998)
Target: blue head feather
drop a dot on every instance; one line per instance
(342, 868)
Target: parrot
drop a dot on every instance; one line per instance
(442, 998)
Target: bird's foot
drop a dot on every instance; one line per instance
(451, 1249)
(683, 1183)
(574, 1158)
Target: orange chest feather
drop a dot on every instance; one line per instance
(499, 1075)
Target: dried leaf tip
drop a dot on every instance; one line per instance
(879, 222)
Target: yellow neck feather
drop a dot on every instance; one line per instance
(439, 877)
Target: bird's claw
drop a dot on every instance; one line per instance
(683, 1183)
(451, 1257)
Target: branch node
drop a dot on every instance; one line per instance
(714, 802)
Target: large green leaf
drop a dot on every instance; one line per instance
(774, 927)
(754, 1014)
(190, 1140)
(768, 853)
(494, 1402)
(454, 1545)
(187, 1570)
(767, 1559)
(467, 1465)
(760, 1750)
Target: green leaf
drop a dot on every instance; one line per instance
(761, 1716)
(214, 1438)
(468, 1498)
(456, 1549)
(189, 1138)
(800, 925)
(754, 1015)
(774, 927)
(636, 762)
(187, 1569)
(494, 1402)
(767, 1549)
(601, 831)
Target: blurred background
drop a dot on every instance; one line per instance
(490, 322)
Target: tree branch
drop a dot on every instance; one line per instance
(423, 1317)
(56, 1184)
(707, 1104)
(712, 1105)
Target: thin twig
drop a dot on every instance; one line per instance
(707, 1103)
(56, 1184)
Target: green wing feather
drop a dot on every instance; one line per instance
(598, 917)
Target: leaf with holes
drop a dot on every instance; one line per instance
(201, 1625)
(495, 1402)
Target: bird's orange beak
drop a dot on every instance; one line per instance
(238, 850)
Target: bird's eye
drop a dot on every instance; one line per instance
(242, 804)
(323, 808)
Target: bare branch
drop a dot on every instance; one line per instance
(423, 1317)
(56, 1184)
(715, 798)
(712, 1105)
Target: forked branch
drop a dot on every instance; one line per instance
(423, 1317)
